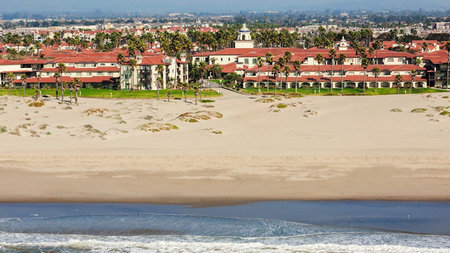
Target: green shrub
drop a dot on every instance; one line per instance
(419, 110)
(36, 104)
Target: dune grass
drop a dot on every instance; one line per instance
(346, 91)
(106, 93)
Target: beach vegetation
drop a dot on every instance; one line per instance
(97, 111)
(444, 113)
(217, 132)
(396, 110)
(36, 104)
(419, 110)
(199, 115)
(265, 100)
(207, 101)
(3, 129)
(157, 127)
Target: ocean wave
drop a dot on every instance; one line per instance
(121, 245)
(191, 233)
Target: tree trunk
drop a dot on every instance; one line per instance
(195, 97)
(259, 81)
(286, 84)
(70, 101)
(296, 82)
(376, 83)
(331, 79)
(411, 85)
(62, 93)
(398, 88)
(342, 78)
(23, 90)
(76, 97)
(364, 82)
(276, 82)
(319, 78)
(157, 92)
(185, 95)
(57, 97)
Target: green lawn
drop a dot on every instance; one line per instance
(219, 81)
(347, 91)
(105, 93)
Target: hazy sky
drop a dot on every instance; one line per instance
(164, 6)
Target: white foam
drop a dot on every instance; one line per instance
(77, 243)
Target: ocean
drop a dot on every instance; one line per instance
(279, 226)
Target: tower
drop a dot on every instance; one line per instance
(244, 38)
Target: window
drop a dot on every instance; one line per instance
(246, 61)
(254, 61)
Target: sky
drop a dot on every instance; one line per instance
(212, 6)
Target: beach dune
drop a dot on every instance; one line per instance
(308, 148)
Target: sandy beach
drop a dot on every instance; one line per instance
(235, 149)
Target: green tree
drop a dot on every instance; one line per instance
(10, 81)
(61, 69)
(341, 61)
(297, 64)
(364, 64)
(332, 54)
(376, 72)
(413, 74)
(269, 60)
(287, 71)
(23, 77)
(398, 80)
(160, 69)
(259, 63)
(319, 60)
(276, 70)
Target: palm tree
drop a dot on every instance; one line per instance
(10, 81)
(23, 77)
(376, 72)
(61, 69)
(120, 59)
(319, 59)
(332, 55)
(196, 88)
(364, 63)
(398, 80)
(63, 87)
(259, 63)
(133, 65)
(297, 64)
(276, 71)
(77, 87)
(269, 60)
(447, 46)
(341, 61)
(160, 70)
(71, 86)
(185, 87)
(413, 76)
(287, 56)
(287, 71)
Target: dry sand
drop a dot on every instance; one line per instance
(317, 148)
